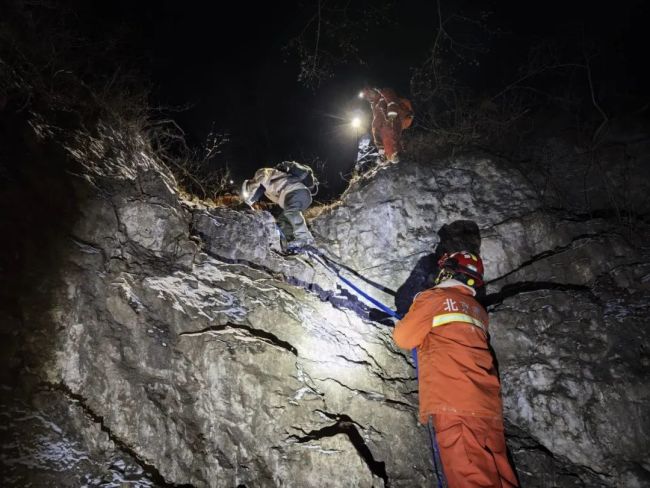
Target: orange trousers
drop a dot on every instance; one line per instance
(473, 452)
(388, 137)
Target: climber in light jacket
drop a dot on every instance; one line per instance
(390, 116)
(460, 393)
(291, 193)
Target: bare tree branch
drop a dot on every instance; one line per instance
(535, 73)
(595, 102)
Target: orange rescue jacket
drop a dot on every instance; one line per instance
(457, 374)
(385, 102)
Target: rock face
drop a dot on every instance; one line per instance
(170, 345)
(151, 342)
(568, 296)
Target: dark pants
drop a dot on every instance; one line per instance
(291, 221)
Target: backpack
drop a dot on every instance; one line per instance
(301, 172)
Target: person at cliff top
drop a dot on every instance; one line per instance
(390, 116)
(290, 185)
(460, 397)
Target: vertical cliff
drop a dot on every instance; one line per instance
(150, 341)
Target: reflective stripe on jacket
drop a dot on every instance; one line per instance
(456, 368)
(387, 104)
(277, 184)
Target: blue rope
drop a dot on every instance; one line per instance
(414, 354)
(384, 308)
(436, 452)
(324, 260)
(375, 302)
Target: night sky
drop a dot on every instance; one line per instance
(226, 62)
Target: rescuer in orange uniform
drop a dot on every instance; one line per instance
(390, 115)
(460, 397)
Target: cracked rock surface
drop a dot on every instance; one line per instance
(154, 343)
(568, 296)
(151, 342)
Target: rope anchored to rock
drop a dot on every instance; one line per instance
(335, 268)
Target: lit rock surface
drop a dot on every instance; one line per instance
(569, 297)
(150, 342)
(171, 345)
(252, 237)
(573, 369)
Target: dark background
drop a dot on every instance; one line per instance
(226, 66)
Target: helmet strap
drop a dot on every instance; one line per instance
(463, 278)
(443, 274)
(446, 274)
